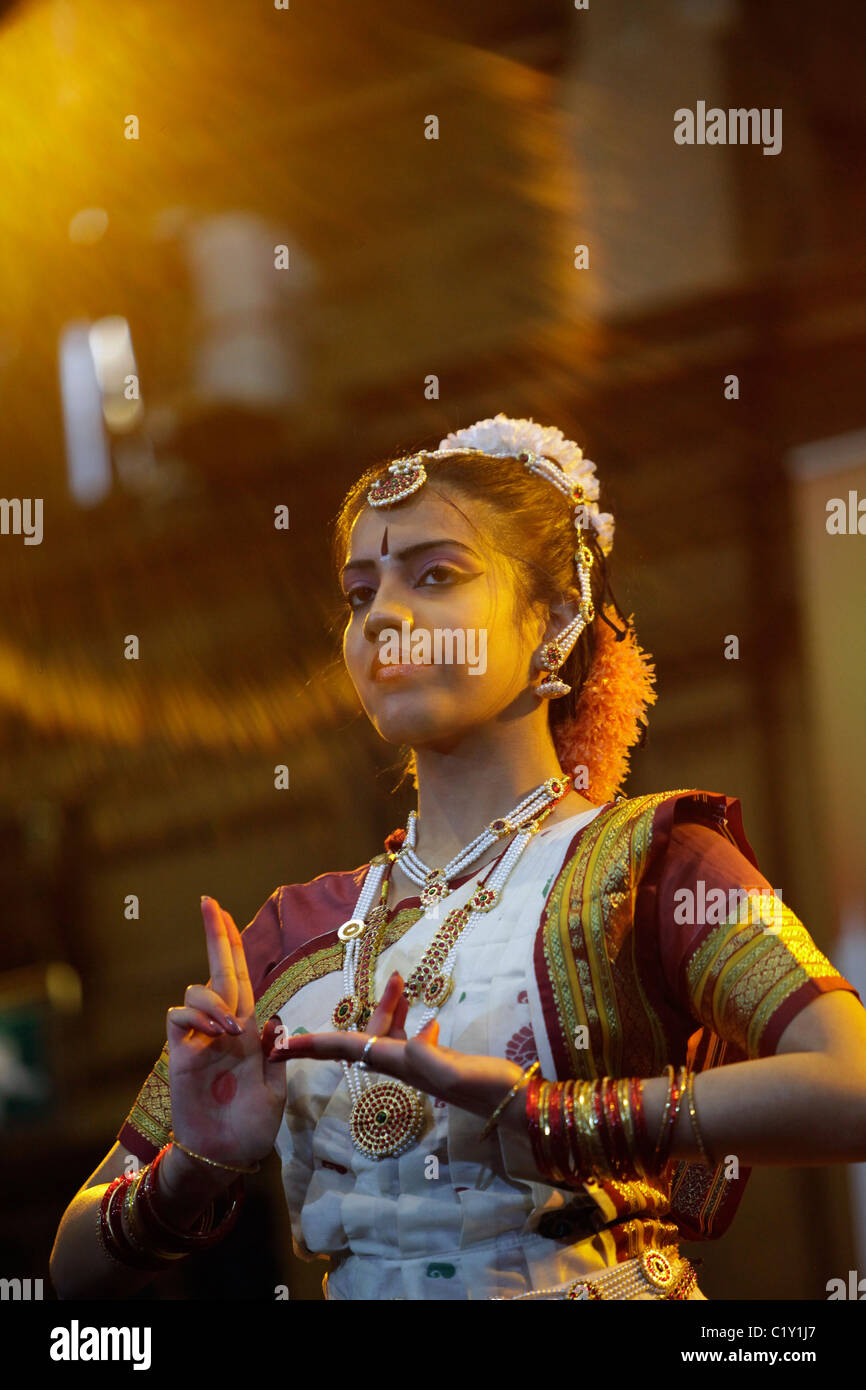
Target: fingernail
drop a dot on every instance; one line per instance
(232, 1025)
(205, 898)
(217, 1027)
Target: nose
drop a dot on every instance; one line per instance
(388, 610)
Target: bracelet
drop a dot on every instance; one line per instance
(643, 1147)
(605, 1167)
(580, 1129)
(532, 1124)
(159, 1235)
(109, 1225)
(560, 1162)
(211, 1162)
(136, 1232)
(669, 1073)
(690, 1098)
(677, 1087)
(491, 1123)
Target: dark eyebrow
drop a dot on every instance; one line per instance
(409, 551)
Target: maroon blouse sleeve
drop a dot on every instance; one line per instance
(733, 955)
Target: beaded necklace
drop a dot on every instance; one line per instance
(387, 1116)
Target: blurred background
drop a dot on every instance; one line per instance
(239, 261)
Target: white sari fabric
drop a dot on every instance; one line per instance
(454, 1218)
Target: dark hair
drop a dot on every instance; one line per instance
(529, 521)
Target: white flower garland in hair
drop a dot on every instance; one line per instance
(503, 437)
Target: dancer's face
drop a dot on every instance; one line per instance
(415, 570)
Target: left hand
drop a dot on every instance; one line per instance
(476, 1084)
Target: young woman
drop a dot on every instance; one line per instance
(477, 1054)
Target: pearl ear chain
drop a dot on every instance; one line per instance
(387, 1116)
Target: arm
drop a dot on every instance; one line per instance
(806, 1105)
(766, 991)
(80, 1267)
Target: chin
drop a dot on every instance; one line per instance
(416, 726)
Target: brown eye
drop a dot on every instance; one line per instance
(355, 599)
(441, 570)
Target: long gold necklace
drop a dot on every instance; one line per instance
(387, 1117)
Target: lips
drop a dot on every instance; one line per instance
(392, 672)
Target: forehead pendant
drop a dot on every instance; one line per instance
(407, 475)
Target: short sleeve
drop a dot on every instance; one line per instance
(147, 1127)
(733, 954)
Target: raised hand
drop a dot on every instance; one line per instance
(474, 1083)
(226, 1101)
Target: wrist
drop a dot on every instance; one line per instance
(187, 1187)
(513, 1117)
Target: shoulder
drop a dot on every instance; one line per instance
(296, 914)
(687, 814)
(650, 829)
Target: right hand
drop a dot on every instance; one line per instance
(227, 1103)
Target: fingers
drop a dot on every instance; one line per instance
(382, 1017)
(183, 1018)
(208, 1002)
(398, 1022)
(246, 999)
(272, 1035)
(346, 1047)
(219, 953)
(389, 1055)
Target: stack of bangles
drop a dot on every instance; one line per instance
(144, 1240)
(583, 1129)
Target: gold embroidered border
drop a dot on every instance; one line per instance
(151, 1113)
(598, 881)
(739, 978)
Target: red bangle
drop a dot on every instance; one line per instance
(533, 1086)
(644, 1153)
(618, 1154)
(601, 1130)
(110, 1226)
(575, 1167)
(558, 1152)
(201, 1236)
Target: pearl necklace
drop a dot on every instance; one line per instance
(387, 1116)
(435, 883)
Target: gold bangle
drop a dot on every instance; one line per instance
(583, 1143)
(589, 1125)
(491, 1123)
(625, 1111)
(543, 1122)
(690, 1098)
(212, 1162)
(136, 1235)
(671, 1076)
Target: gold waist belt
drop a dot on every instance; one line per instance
(653, 1273)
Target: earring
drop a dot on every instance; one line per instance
(552, 655)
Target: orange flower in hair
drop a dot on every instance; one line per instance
(611, 713)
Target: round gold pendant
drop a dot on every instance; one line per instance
(386, 1119)
(349, 930)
